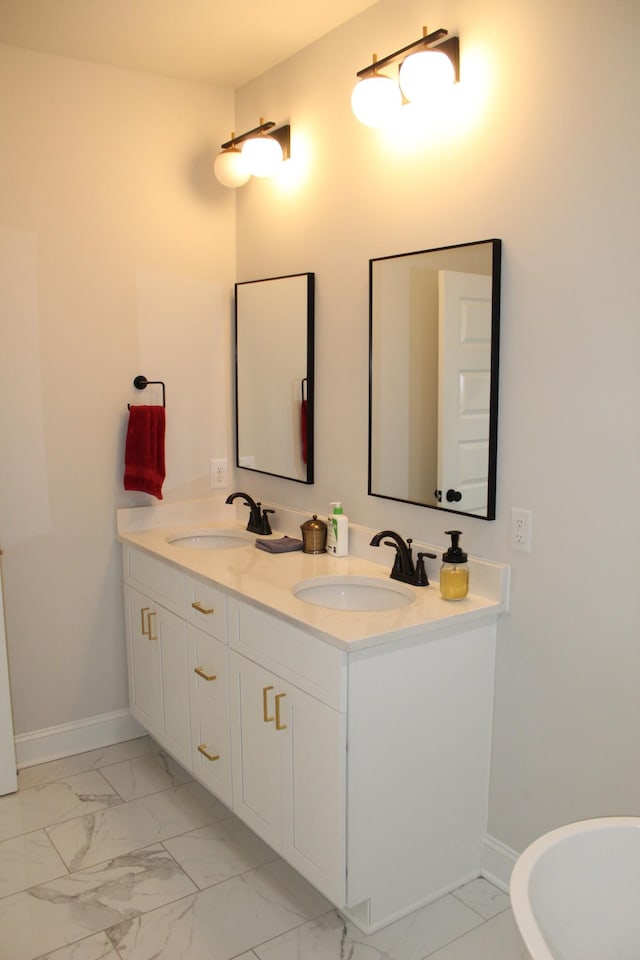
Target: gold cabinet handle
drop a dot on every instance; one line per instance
(198, 606)
(205, 676)
(152, 613)
(145, 632)
(265, 709)
(279, 725)
(202, 748)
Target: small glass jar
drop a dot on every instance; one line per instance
(454, 581)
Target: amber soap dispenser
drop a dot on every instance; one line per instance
(454, 572)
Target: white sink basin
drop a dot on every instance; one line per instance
(222, 539)
(366, 594)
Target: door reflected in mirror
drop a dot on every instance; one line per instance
(274, 322)
(433, 385)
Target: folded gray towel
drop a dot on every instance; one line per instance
(282, 545)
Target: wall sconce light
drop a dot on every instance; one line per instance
(255, 153)
(431, 67)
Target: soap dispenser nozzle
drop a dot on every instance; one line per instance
(455, 553)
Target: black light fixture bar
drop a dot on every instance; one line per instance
(451, 47)
(282, 135)
(250, 133)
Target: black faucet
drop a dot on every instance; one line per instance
(258, 521)
(403, 567)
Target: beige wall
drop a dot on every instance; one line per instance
(108, 204)
(542, 150)
(117, 257)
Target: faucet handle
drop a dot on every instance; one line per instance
(421, 579)
(266, 526)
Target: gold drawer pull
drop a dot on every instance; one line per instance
(145, 632)
(203, 750)
(152, 613)
(279, 726)
(265, 709)
(198, 606)
(205, 676)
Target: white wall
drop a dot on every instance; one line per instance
(117, 257)
(543, 150)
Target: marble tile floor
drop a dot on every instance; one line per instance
(117, 854)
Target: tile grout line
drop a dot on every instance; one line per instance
(456, 893)
(317, 919)
(89, 769)
(216, 883)
(461, 936)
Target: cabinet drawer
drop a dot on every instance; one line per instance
(211, 751)
(208, 666)
(206, 607)
(157, 579)
(312, 665)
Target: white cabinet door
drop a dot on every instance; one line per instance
(288, 764)
(158, 673)
(314, 795)
(144, 662)
(256, 747)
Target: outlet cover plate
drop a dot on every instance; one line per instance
(521, 530)
(219, 474)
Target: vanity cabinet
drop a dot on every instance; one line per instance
(367, 770)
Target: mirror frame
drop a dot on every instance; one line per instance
(492, 453)
(308, 320)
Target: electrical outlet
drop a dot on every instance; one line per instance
(521, 530)
(219, 470)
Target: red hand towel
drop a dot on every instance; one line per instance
(144, 451)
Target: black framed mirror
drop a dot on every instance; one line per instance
(434, 335)
(274, 336)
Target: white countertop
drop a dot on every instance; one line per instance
(267, 580)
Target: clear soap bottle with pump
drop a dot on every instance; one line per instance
(454, 572)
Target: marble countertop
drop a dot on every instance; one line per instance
(267, 580)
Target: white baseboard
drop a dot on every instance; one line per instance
(498, 861)
(69, 738)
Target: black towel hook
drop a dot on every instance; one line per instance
(140, 383)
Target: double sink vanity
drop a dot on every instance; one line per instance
(343, 716)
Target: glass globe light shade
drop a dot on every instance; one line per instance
(375, 99)
(231, 169)
(426, 74)
(263, 155)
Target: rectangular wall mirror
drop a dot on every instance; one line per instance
(274, 321)
(433, 377)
